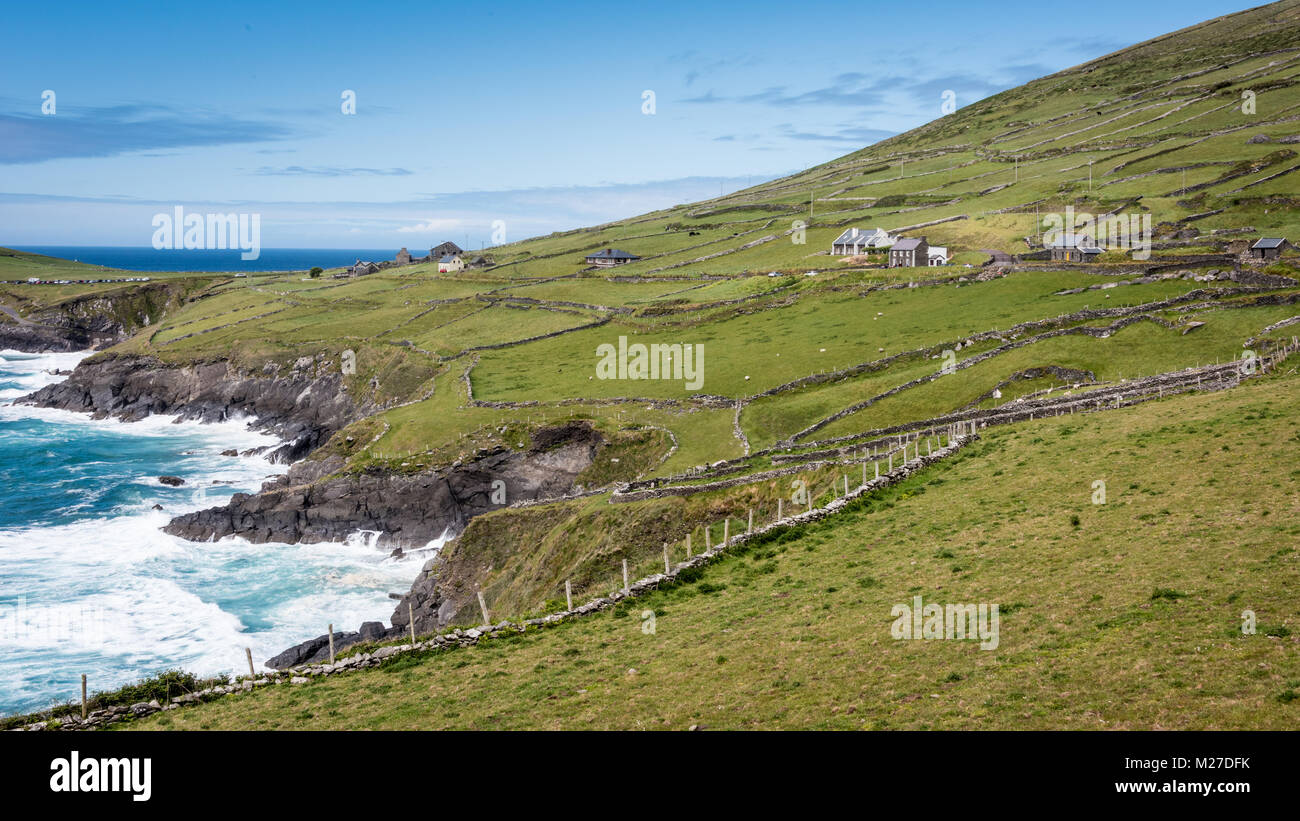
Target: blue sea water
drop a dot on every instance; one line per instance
(90, 584)
(270, 259)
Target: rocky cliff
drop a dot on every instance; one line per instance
(312, 504)
(409, 510)
(303, 405)
(90, 321)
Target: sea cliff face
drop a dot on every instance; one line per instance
(409, 510)
(303, 405)
(311, 503)
(90, 321)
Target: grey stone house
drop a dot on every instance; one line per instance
(1268, 247)
(909, 252)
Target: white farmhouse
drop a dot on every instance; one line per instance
(856, 241)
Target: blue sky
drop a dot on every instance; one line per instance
(529, 113)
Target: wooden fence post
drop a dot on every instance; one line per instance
(410, 617)
(482, 605)
(568, 594)
(780, 503)
(688, 545)
(750, 527)
(83, 696)
(248, 651)
(668, 568)
(331, 645)
(625, 590)
(726, 531)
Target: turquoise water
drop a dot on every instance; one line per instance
(90, 584)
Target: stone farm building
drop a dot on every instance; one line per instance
(1268, 247)
(450, 263)
(609, 257)
(361, 268)
(909, 252)
(403, 257)
(855, 241)
(1074, 248)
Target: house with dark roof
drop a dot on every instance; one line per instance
(1074, 248)
(609, 257)
(909, 252)
(1268, 247)
(855, 241)
(362, 268)
(450, 263)
(443, 250)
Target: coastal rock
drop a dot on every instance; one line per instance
(408, 510)
(171, 481)
(300, 408)
(90, 321)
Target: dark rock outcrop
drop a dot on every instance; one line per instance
(410, 510)
(304, 405)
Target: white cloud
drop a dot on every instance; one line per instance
(433, 226)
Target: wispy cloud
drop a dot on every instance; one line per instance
(878, 93)
(330, 171)
(113, 130)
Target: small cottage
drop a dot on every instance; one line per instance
(937, 255)
(909, 252)
(1268, 247)
(857, 241)
(450, 263)
(609, 257)
(1074, 248)
(361, 268)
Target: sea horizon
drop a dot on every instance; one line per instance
(203, 260)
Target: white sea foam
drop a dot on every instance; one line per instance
(117, 598)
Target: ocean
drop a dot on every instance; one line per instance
(90, 584)
(270, 259)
